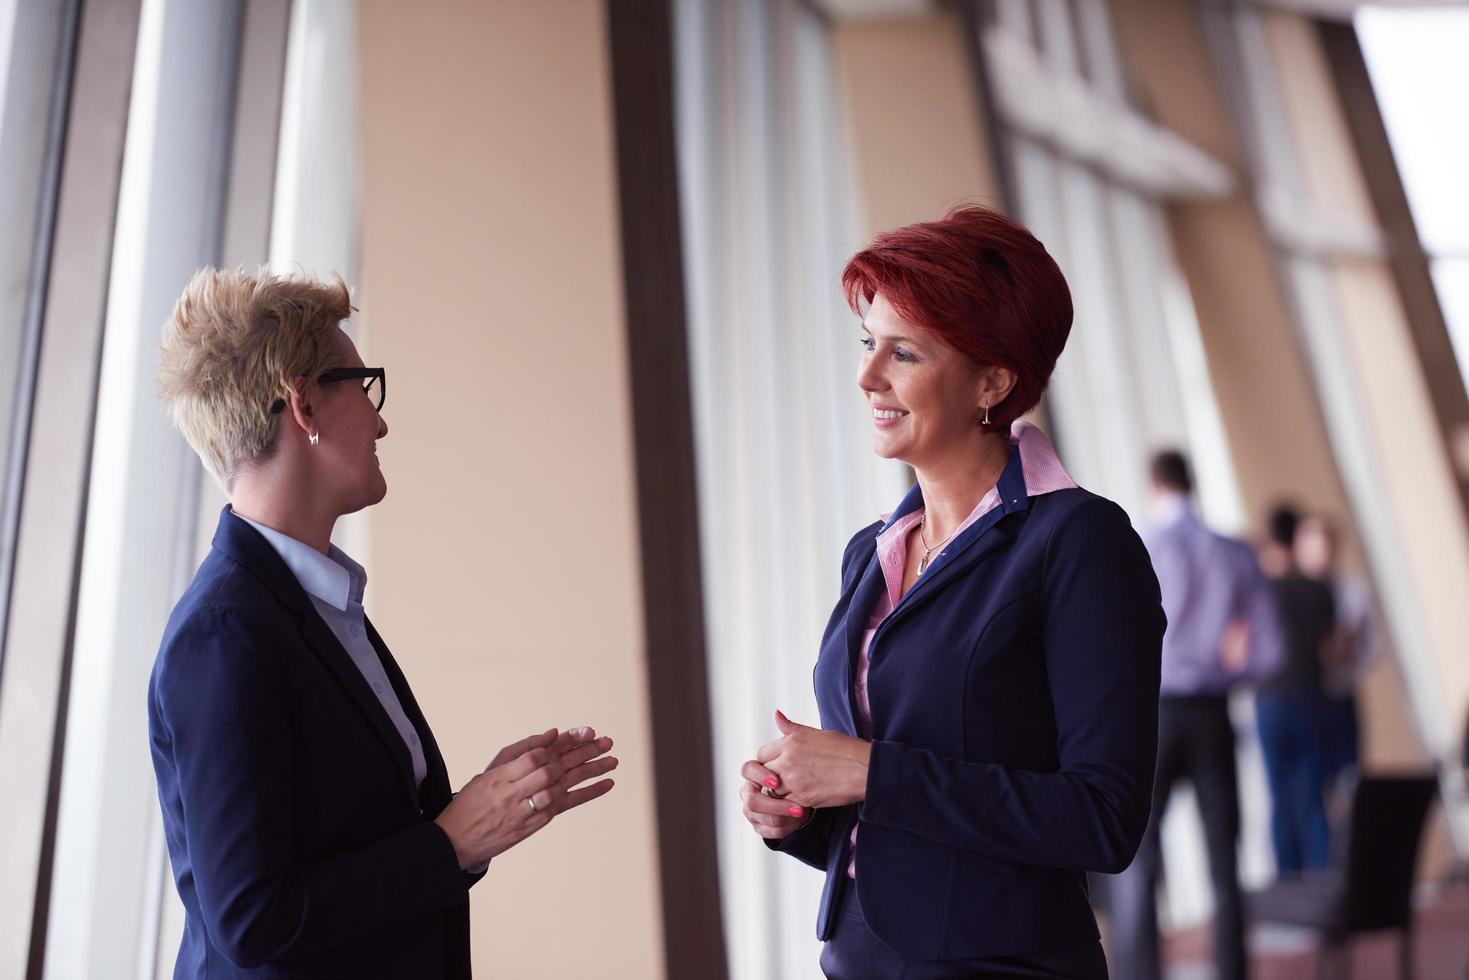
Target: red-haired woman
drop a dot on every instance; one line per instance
(988, 682)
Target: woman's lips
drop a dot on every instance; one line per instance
(884, 417)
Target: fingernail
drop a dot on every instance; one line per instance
(795, 811)
(772, 782)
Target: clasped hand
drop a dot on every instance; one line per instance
(491, 813)
(808, 768)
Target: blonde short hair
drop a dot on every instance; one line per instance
(234, 345)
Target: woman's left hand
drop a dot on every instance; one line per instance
(817, 768)
(583, 756)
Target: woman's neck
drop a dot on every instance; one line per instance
(954, 486)
(270, 499)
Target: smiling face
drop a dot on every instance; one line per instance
(924, 397)
(347, 467)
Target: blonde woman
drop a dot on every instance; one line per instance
(307, 809)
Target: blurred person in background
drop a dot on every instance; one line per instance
(1221, 632)
(988, 681)
(306, 807)
(1289, 706)
(1277, 555)
(1349, 651)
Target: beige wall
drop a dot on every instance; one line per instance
(505, 557)
(914, 119)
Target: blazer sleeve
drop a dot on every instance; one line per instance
(224, 714)
(1102, 637)
(811, 843)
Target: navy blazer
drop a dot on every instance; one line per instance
(1014, 696)
(300, 843)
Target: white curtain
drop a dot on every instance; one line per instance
(785, 467)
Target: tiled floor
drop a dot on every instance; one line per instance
(1441, 948)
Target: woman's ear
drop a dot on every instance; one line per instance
(994, 385)
(301, 409)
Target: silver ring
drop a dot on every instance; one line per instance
(532, 804)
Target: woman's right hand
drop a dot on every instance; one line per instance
(772, 817)
(490, 814)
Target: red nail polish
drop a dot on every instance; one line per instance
(795, 811)
(772, 782)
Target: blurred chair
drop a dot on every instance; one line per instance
(1371, 887)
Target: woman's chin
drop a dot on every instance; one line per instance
(885, 447)
(371, 494)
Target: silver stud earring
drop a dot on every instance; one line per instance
(315, 438)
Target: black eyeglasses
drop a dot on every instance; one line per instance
(375, 384)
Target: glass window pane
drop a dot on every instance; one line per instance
(1419, 72)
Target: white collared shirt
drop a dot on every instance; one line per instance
(336, 584)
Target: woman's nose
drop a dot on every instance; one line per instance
(382, 426)
(869, 375)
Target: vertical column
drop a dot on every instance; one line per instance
(641, 35)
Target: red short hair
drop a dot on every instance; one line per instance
(983, 284)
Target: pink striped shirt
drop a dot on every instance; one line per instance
(1043, 473)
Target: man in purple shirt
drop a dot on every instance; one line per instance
(1222, 630)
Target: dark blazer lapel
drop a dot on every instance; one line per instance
(245, 546)
(329, 651)
(436, 791)
(869, 586)
(986, 542)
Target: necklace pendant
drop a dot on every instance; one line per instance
(922, 564)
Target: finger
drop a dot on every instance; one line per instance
(770, 750)
(545, 800)
(540, 740)
(586, 794)
(573, 737)
(764, 820)
(774, 833)
(786, 726)
(779, 808)
(590, 770)
(760, 803)
(524, 764)
(538, 779)
(759, 775)
(585, 753)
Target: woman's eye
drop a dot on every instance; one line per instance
(867, 343)
(903, 355)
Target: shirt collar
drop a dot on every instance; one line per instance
(334, 578)
(1034, 469)
(1169, 509)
